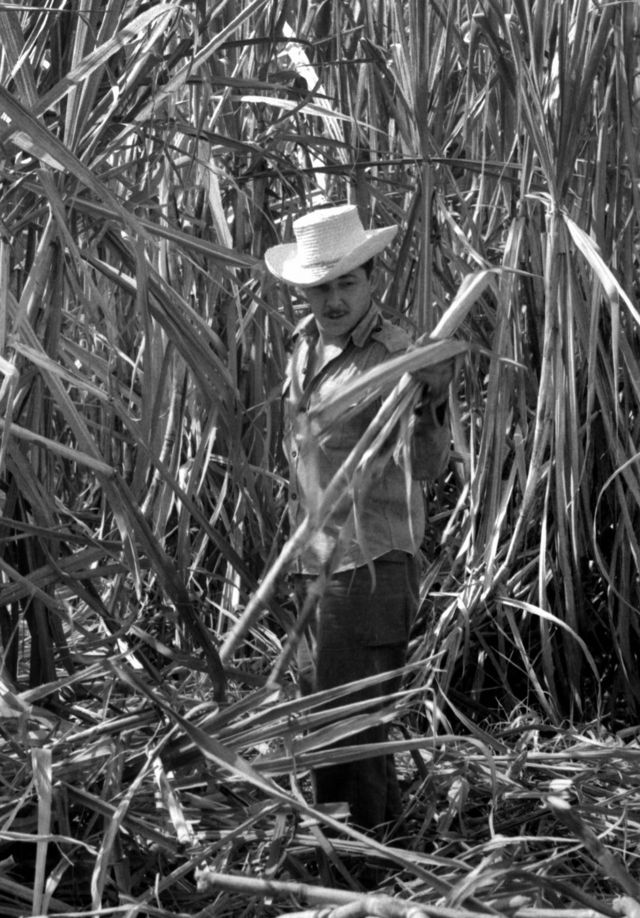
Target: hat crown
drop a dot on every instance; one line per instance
(325, 236)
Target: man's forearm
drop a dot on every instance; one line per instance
(430, 439)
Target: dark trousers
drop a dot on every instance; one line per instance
(360, 627)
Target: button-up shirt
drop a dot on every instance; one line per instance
(386, 512)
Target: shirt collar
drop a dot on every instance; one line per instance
(370, 322)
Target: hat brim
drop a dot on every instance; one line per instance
(283, 260)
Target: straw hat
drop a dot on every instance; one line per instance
(329, 242)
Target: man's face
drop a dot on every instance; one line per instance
(338, 305)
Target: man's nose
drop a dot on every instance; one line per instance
(333, 294)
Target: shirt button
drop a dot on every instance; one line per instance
(294, 453)
(294, 496)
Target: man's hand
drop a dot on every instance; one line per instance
(435, 380)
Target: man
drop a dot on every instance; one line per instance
(367, 549)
